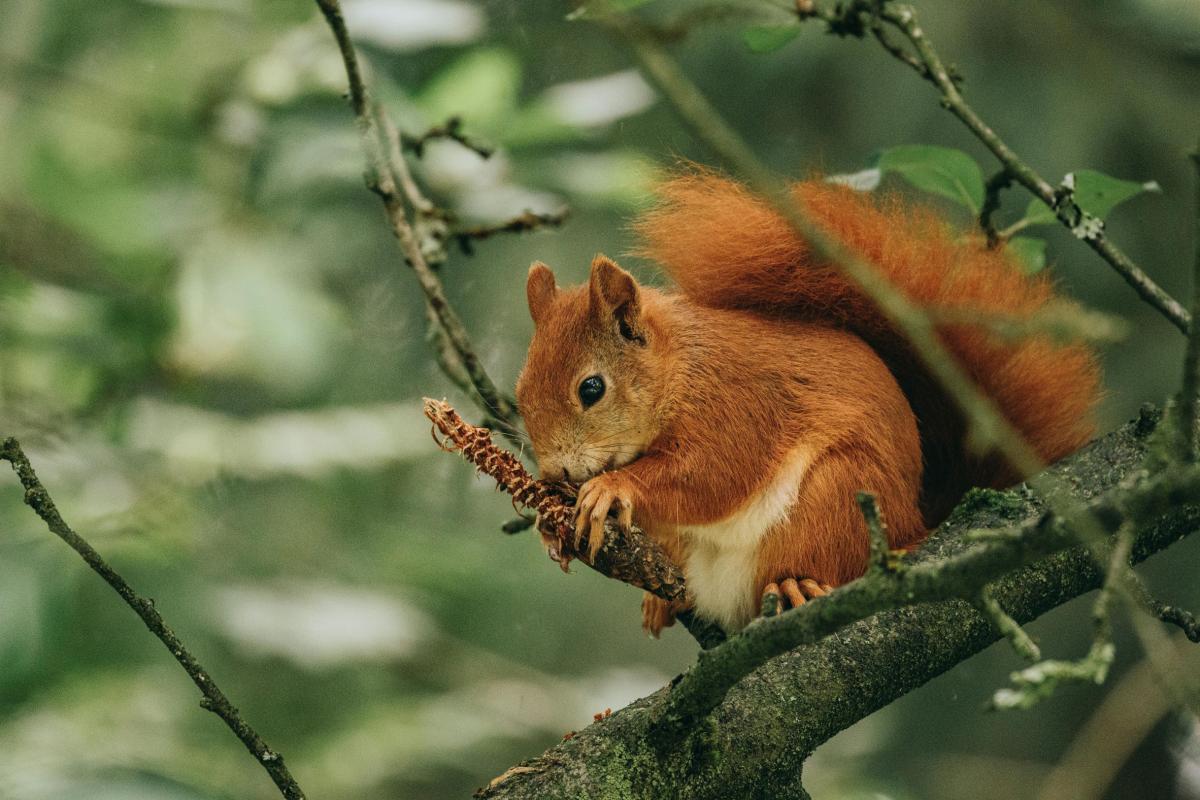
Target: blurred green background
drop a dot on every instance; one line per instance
(212, 350)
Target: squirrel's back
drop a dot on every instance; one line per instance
(726, 248)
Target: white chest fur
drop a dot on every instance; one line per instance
(724, 555)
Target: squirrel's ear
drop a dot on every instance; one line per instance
(615, 294)
(540, 290)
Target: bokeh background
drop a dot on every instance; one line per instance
(211, 348)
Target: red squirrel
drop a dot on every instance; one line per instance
(735, 418)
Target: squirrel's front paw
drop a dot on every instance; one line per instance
(597, 497)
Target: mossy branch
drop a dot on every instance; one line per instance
(816, 690)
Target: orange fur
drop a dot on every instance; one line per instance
(725, 248)
(743, 412)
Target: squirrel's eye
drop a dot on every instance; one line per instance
(591, 389)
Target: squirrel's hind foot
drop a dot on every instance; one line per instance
(658, 614)
(792, 593)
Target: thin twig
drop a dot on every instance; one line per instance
(1061, 320)
(450, 129)
(214, 700)
(904, 19)
(522, 223)
(1191, 363)
(1035, 683)
(991, 204)
(1006, 626)
(880, 559)
(1173, 615)
(1185, 620)
(381, 178)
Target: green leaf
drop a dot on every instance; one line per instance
(1029, 251)
(1096, 193)
(482, 85)
(769, 38)
(940, 170)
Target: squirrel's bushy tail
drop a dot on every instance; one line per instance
(724, 247)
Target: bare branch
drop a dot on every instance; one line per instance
(1006, 626)
(384, 171)
(523, 223)
(214, 700)
(1062, 320)
(991, 204)
(1172, 615)
(904, 19)
(1189, 394)
(450, 129)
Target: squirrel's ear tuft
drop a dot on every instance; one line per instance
(540, 290)
(615, 295)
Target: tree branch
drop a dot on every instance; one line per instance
(756, 741)
(450, 129)
(962, 577)
(214, 700)
(1189, 393)
(522, 223)
(928, 64)
(991, 204)
(385, 169)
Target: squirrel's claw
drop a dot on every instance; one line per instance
(793, 593)
(658, 614)
(596, 498)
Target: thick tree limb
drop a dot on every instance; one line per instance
(756, 741)
(214, 700)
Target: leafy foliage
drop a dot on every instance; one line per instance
(1096, 193)
(769, 38)
(941, 170)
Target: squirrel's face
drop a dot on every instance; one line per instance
(587, 393)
